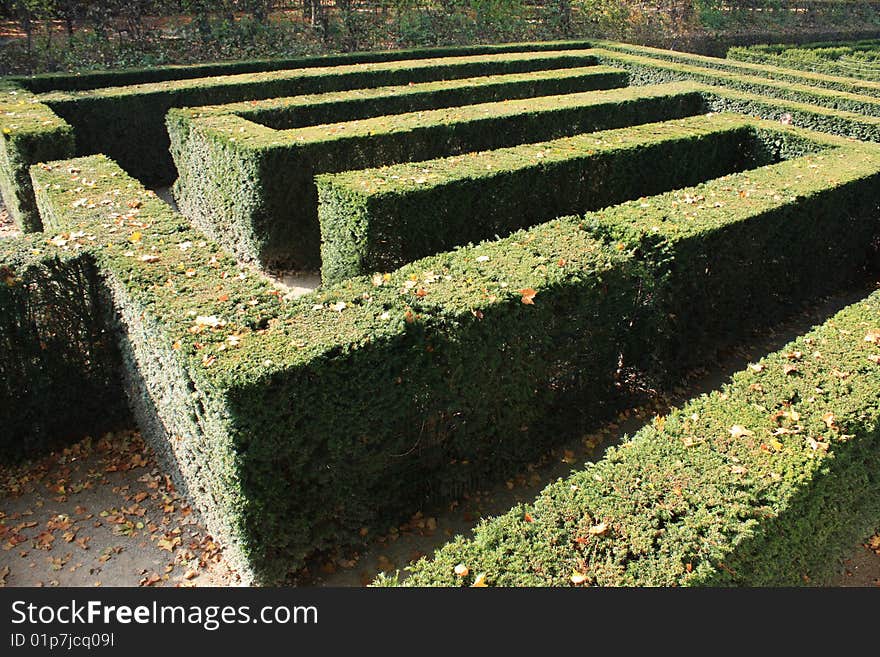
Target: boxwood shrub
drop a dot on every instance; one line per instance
(379, 219)
(297, 422)
(765, 482)
(252, 188)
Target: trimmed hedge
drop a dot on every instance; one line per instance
(127, 123)
(29, 133)
(836, 122)
(853, 59)
(121, 77)
(335, 107)
(648, 70)
(292, 420)
(763, 483)
(253, 189)
(45, 137)
(731, 252)
(58, 362)
(781, 74)
(379, 219)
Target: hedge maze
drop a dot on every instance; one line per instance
(502, 234)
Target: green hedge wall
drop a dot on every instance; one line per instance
(253, 189)
(852, 59)
(127, 123)
(58, 361)
(726, 66)
(763, 483)
(290, 419)
(648, 70)
(29, 133)
(836, 122)
(335, 107)
(715, 240)
(117, 78)
(376, 220)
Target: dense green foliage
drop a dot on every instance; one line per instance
(102, 118)
(765, 482)
(58, 361)
(860, 59)
(253, 189)
(29, 133)
(416, 355)
(379, 219)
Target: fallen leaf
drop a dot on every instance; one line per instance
(578, 578)
(528, 296)
(598, 530)
(461, 570)
(480, 582)
(738, 431)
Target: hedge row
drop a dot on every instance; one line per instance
(858, 60)
(117, 78)
(647, 70)
(127, 123)
(58, 362)
(766, 482)
(781, 74)
(252, 188)
(376, 220)
(334, 107)
(804, 115)
(45, 137)
(298, 423)
(29, 133)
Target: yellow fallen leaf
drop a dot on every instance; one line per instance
(480, 582)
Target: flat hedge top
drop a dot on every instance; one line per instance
(161, 88)
(401, 178)
(766, 70)
(183, 278)
(723, 78)
(253, 135)
(22, 113)
(252, 108)
(670, 507)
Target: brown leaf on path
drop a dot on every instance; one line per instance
(528, 296)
